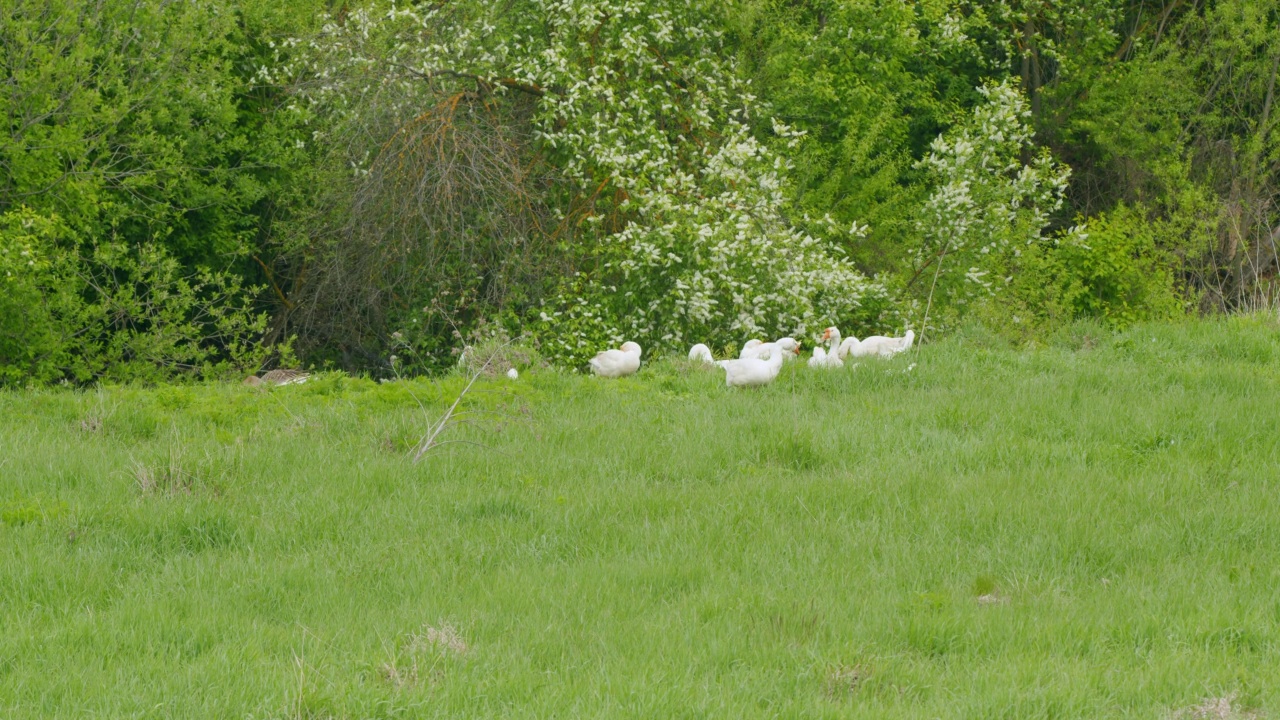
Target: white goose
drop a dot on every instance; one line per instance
(752, 372)
(750, 347)
(881, 346)
(790, 348)
(830, 357)
(847, 347)
(617, 363)
(701, 353)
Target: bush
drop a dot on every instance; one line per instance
(80, 313)
(1115, 272)
(38, 292)
(608, 140)
(1120, 274)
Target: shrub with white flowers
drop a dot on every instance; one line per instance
(681, 232)
(727, 265)
(987, 203)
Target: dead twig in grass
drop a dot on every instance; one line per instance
(429, 440)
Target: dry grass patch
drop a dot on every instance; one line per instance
(443, 639)
(422, 656)
(1217, 708)
(845, 680)
(175, 475)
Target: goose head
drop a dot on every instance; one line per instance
(831, 335)
(630, 347)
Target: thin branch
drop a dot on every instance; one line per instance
(924, 325)
(442, 443)
(483, 81)
(271, 278)
(429, 440)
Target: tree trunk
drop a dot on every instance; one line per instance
(1030, 65)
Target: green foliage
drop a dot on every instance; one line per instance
(871, 84)
(31, 339)
(1117, 271)
(1120, 273)
(129, 121)
(143, 160)
(1181, 121)
(74, 313)
(665, 172)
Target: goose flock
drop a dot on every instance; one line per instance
(760, 362)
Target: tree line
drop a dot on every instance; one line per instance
(199, 189)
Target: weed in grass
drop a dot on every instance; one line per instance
(174, 474)
(402, 676)
(20, 511)
(794, 453)
(844, 680)
(984, 584)
(984, 587)
(167, 478)
(422, 656)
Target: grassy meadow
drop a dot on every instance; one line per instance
(1088, 529)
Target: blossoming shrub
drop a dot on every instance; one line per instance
(673, 217)
(986, 222)
(730, 266)
(988, 205)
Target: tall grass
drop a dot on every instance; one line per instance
(1084, 530)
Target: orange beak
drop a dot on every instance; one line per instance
(826, 334)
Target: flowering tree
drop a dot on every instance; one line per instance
(988, 203)
(670, 216)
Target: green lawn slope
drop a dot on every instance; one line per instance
(1089, 529)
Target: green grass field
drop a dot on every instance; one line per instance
(1086, 530)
